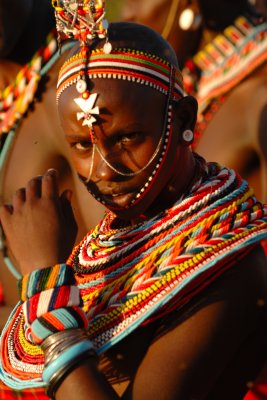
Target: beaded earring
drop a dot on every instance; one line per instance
(190, 19)
(188, 136)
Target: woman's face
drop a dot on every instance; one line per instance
(127, 133)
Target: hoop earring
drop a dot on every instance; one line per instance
(190, 18)
(188, 136)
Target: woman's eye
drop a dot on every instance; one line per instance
(129, 138)
(82, 146)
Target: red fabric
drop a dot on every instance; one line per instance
(29, 394)
(1, 295)
(259, 389)
(264, 245)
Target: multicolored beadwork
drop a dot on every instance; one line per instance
(16, 98)
(230, 58)
(81, 19)
(137, 274)
(125, 64)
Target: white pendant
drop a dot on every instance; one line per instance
(107, 48)
(81, 86)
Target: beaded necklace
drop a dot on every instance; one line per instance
(230, 58)
(127, 275)
(131, 276)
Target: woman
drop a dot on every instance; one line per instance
(166, 297)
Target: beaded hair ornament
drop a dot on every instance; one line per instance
(84, 20)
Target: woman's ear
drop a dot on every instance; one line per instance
(185, 114)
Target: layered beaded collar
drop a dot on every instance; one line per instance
(126, 275)
(230, 58)
(132, 276)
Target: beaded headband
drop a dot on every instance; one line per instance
(126, 64)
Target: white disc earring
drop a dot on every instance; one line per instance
(188, 135)
(189, 20)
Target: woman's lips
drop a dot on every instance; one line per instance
(121, 200)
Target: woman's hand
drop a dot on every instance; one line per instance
(40, 227)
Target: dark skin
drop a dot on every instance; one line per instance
(241, 119)
(206, 340)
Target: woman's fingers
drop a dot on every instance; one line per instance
(19, 198)
(50, 184)
(34, 188)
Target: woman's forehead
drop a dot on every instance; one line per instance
(115, 95)
(122, 106)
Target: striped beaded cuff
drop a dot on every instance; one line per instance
(46, 278)
(49, 300)
(57, 320)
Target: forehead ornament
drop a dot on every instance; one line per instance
(88, 109)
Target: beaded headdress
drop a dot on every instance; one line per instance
(85, 20)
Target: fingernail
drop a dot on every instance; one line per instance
(52, 172)
(69, 194)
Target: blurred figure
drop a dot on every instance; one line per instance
(222, 47)
(30, 133)
(261, 6)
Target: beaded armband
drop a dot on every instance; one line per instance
(46, 278)
(49, 300)
(52, 302)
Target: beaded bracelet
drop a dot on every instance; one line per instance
(62, 355)
(60, 341)
(46, 278)
(64, 358)
(61, 374)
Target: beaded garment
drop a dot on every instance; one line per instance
(16, 98)
(128, 277)
(230, 58)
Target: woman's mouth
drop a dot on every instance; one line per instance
(121, 200)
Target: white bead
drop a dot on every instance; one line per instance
(107, 48)
(81, 86)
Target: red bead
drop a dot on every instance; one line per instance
(86, 95)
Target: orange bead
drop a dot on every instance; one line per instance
(86, 95)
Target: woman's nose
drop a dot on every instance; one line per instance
(107, 166)
(104, 172)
